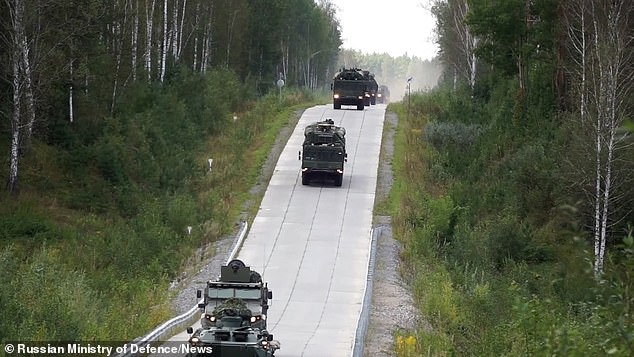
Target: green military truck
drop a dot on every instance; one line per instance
(233, 321)
(324, 152)
(383, 95)
(372, 88)
(349, 88)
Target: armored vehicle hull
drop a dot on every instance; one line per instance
(349, 88)
(324, 152)
(233, 317)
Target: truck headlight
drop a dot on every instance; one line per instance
(336, 96)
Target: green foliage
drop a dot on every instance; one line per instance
(487, 242)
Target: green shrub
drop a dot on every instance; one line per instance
(452, 136)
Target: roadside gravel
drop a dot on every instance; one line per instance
(392, 304)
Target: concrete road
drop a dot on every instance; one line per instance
(312, 243)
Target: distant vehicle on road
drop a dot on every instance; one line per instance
(349, 88)
(383, 95)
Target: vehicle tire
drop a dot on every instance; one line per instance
(338, 180)
(366, 102)
(373, 101)
(336, 105)
(236, 263)
(305, 179)
(360, 106)
(255, 277)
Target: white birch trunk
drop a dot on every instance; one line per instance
(180, 30)
(196, 26)
(16, 122)
(149, 16)
(27, 73)
(135, 34)
(117, 46)
(164, 48)
(174, 30)
(71, 114)
(24, 67)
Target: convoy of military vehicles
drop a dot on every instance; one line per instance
(353, 86)
(233, 321)
(234, 307)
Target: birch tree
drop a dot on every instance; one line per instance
(134, 39)
(16, 13)
(164, 48)
(458, 43)
(149, 16)
(600, 39)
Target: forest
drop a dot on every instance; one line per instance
(514, 188)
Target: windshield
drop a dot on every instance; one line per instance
(241, 293)
(350, 85)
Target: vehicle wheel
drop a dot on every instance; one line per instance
(366, 102)
(336, 105)
(255, 277)
(373, 101)
(360, 106)
(236, 264)
(305, 179)
(338, 180)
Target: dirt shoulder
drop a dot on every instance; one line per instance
(392, 303)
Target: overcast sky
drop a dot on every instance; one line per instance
(399, 27)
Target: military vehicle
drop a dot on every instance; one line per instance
(324, 152)
(233, 322)
(383, 95)
(372, 88)
(349, 88)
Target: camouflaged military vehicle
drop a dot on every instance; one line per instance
(383, 95)
(324, 152)
(349, 88)
(372, 88)
(233, 323)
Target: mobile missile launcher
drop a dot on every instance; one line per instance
(349, 88)
(233, 323)
(324, 151)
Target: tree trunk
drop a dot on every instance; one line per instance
(71, 114)
(135, 34)
(180, 30)
(196, 27)
(16, 122)
(164, 48)
(149, 16)
(174, 30)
